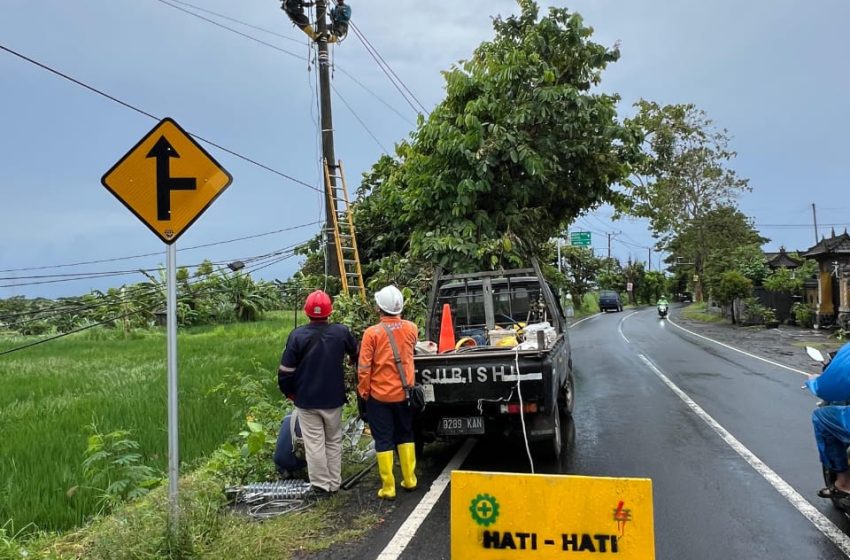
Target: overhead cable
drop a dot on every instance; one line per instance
(145, 113)
(254, 236)
(389, 72)
(99, 323)
(275, 47)
(356, 116)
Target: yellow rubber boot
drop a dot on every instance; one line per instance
(385, 469)
(407, 458)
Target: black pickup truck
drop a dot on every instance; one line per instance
(494, 383)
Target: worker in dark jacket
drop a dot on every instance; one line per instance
(311, 374)
(295, 9)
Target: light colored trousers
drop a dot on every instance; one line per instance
(322, 433)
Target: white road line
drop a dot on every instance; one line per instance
(408, 529)
(771, 362)
(811, 513)
(620, 326)
(585, 319)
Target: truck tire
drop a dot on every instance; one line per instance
(548, 449)
(558, 435)
(566, 397)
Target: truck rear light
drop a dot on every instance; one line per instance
(513, 408)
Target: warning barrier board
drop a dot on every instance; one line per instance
(506, 515)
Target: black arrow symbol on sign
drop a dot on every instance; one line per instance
(163, 151)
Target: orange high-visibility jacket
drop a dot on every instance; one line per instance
(378, 377)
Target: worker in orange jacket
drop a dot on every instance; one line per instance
(379, 384)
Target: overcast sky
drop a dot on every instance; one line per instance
(774, 73)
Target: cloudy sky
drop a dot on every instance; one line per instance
(774, 73)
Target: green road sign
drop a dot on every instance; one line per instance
(580, 238)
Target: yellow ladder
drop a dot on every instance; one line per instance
(345, 241)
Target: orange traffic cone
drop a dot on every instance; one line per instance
(447, 331)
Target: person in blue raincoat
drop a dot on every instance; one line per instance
(832, 422)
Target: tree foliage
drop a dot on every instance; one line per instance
(684, 178)
(519, 147)
(720, 240)
(580, 268)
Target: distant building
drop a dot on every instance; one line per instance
(781, 260)
(833, 257)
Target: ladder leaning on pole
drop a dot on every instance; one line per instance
(345, 241)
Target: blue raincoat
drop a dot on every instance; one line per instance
(834, 383)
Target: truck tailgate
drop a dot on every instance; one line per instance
(468, 377)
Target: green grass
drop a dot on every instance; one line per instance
(699, 312)
(50, 393)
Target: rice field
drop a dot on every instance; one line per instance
(51, 393)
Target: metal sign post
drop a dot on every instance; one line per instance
(168, 180)
(173, 431)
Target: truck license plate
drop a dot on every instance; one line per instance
(465, 425)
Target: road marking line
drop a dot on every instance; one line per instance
(809, 511)
(620, 326)
(771, 362)
(583, 320)
(408, 529)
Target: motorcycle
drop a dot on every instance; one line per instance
(828, 475)
(662, 310)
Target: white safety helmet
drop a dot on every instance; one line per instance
(390, 300)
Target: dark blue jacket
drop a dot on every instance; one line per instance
(318, 380)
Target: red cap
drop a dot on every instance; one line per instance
(318, 305)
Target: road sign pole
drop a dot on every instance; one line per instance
(171, 315)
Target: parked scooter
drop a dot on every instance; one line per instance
(828, 475)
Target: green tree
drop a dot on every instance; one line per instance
(720, 239)
(732, 285)
(790, 280)
(634, 273)
(611, 276)
(653, 286)
(580, 268)
(520, 146)
(683, 176)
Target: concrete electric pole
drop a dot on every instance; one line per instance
(327, 131)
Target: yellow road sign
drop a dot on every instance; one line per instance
(501, 516)
(167, 180)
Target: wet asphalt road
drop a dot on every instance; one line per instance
(709, 502)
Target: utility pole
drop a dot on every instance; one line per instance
(815, 219)
(327, 133)
(649, 258)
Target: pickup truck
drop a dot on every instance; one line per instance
(492, 384)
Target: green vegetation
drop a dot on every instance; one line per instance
(522, 144)
(700, 312)
(204, 298)
(51, 393)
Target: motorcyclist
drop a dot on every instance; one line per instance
(662, 305)
(832, 423)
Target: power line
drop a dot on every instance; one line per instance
(388, 71)
(275, 47)
(221, 25)
(234, 20)
(801, 226)
(73, 276)
(115, 318)
(356, 116)
(145, 113)
(254, 236)
(134, 291)
(375, 95)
